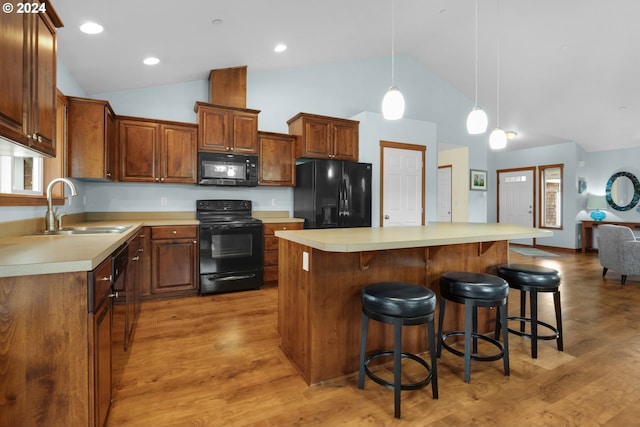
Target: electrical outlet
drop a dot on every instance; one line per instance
(163, 201)
(305, 261)
(274, 202)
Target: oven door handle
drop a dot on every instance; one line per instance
(220, 279)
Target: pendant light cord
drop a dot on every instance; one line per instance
(393, 42)
(498, 63)
(476, 98)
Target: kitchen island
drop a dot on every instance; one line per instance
(322, 273)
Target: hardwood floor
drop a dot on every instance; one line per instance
(215, 361)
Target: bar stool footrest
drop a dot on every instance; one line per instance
(553, 336)
(474, 356)
(390, 385)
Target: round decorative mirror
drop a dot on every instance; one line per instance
(623, 191)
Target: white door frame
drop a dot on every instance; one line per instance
(401, 146)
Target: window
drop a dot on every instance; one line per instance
(551, 196)
(21, 175)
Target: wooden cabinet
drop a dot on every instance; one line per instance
(277, 163)
(28, 83)
(174, 261)
(91, 139)
(132, 288)
(157, 151)
(270, 272)
(322, 137)
(101, 317)
(227, 129)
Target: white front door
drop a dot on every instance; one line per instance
(444, 193)
(402, 182)
(516, 199)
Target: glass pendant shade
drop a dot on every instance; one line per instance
(497, 139)
(393, 104)
(477, 121)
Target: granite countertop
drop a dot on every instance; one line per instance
(433, 234)
(42, 254)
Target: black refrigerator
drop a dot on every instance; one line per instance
(333, 194)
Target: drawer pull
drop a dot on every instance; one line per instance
(106, 279)
(175, 232)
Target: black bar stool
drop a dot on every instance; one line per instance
(399, 304)
(474, 290)
(534, 279)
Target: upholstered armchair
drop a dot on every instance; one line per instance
(618, 250)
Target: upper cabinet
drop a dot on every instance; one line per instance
(277, 159)
(28, 83)
(91, 139)
(157, 151)
(322, 137)
(227, 129)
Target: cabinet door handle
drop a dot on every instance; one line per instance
(174, 232)
(106, 279)
(195, 242)
(39, 138)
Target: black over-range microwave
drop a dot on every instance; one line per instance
(227, 169)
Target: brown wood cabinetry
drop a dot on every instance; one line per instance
(91, 139)
(100, 352)
(157, 151)
(28, 83)
(132, 288)
(277, 159)
(227, 129)
(174, 261)
(322, 137)
(270, 272)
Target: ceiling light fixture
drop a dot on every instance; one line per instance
(281, 47)
(151, 61)
(498, 138)
(511, 134)
(91, 28)
(477, 119)
(393, 101)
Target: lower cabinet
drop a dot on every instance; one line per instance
(174, 261)
(270, 244)
(101, 312)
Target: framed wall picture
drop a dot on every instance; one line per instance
(478, 180)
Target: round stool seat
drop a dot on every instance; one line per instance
(519, 275)
(459, 285)
(398, 299)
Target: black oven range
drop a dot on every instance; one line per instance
(230, 246)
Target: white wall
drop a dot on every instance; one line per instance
(338, 89)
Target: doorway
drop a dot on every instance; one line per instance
(516, 201)
(444, 193)
(402, 194)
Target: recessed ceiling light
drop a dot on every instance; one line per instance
(281, 47)
(151, 60)
(91, 28)
(217, 21)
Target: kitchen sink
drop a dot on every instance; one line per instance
(85, 230)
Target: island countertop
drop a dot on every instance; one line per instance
(433, 234)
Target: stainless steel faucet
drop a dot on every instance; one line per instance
(50, 217)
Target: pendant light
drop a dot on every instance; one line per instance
(477, 120)
(498, 138)
(393, 101)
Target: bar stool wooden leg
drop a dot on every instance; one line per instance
(556, 301)
(363, 349)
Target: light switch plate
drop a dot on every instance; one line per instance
(305, 261)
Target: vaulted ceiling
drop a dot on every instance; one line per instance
(568, 71)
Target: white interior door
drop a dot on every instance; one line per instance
(402, 184)
(516, 199)
(444, 193)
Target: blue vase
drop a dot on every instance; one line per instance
(598, 215)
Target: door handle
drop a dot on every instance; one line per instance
(386, 217)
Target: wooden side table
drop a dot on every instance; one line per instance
(587, 231)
